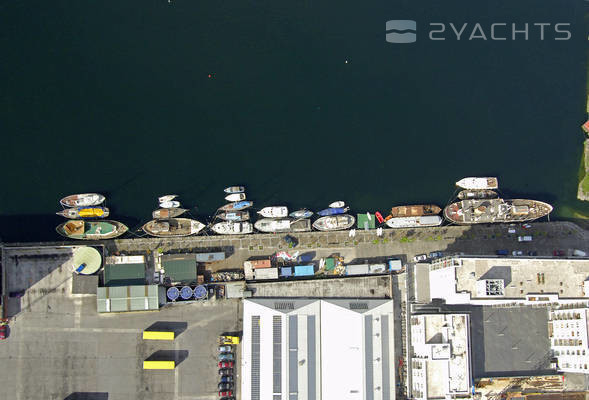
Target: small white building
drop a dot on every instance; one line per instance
(440, 359)
(310, 349)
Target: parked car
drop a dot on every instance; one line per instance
(517, 253)
(511, 230)
(502, 252)
(532, 253)
(227, 378)
(420, 257)
(225, 393)
(558, 253)
(225, 364)
(436, 254)
(225, 349)
(225, 357)
(226, 371)
(225, 386)
(526, 238)
(579, 253)
(526, 226)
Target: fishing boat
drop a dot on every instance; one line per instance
(237, 206)
(477, 194)
(234, 216)
(91, 230)
(232, 228)
(164, 213)
(167, 197)
(84, 212)
(337, 204)
(274, 212)
(478, 183)
(333, 211)
(170, 204)
(334, 222)
(235, 197)
(272, 225)
(234, 189)
(485, 211)
(415, 210)
(304, 213)
(82, 200)
(173, 227)
(415, 222)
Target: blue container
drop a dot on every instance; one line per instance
(304, 270)
(186, 292)
(200, 292)
(173, 293)
(286, 271)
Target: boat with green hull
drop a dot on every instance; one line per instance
(91, 230)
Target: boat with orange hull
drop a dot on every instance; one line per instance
(415, 210)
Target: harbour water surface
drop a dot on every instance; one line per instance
(303, 102)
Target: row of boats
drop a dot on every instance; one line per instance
(477, 203)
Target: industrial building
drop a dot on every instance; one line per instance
(318, 349)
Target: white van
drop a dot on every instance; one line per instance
(579, 253)
(524, 238)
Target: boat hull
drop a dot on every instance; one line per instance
(82, 200)
(164, 213)
(272, 225)
(235, 197)
(234, 189)
(423, 221)
(477, 194)
(173, 227)
(168, 197)
(333, 211)
(304, 213)
(237, 206)
(232, 228)
(274, 212)
(84, 212)
(337, 204)
(334, 222)
(170, 204)
(415, 210)
(488, 211)
(91, 230)
(478, 183)
(234, 216)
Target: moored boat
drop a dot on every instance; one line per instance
(164, 213)
(84, 212)
(477, 194)
(334, 222)
(235, 197)
(272, 225)
(478, 183)
(300, 225)
(170, 204)
(415, 222)
(333, 211)
(167, 197)
(304, 213)
(91, 230)
(234, 216)
(485, 211)
(239, 205)
(82, 200)
(232, 228)
(234, 189)
(274, 212)
(337, 204)
(415, 210)
(173, 227)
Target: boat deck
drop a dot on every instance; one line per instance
(479, 211)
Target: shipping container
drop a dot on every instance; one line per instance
(266, 273)
(159, 365)
(286, 271)
(304, 270)
(395, 265)
(357, 269)
(158, 335)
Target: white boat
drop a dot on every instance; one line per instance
(170, 204)
(232, 228)
(173, 227)
(274, 212)
(235, 197)
(168, 197)
(415, 222)
(234, 189)
(334, 222)
(337, 204)
(272, 225)
(82, 200)
(478, 183)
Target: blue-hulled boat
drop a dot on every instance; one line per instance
(238, 205)
(333, 211)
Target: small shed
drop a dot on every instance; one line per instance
(304, 270)
(286, 272)
(329, 264)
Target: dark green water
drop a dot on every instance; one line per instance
(115, 97)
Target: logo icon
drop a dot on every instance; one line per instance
(401, 31)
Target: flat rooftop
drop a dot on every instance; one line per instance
(521, 276)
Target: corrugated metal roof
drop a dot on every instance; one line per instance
(181, 270)
(127, 298)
